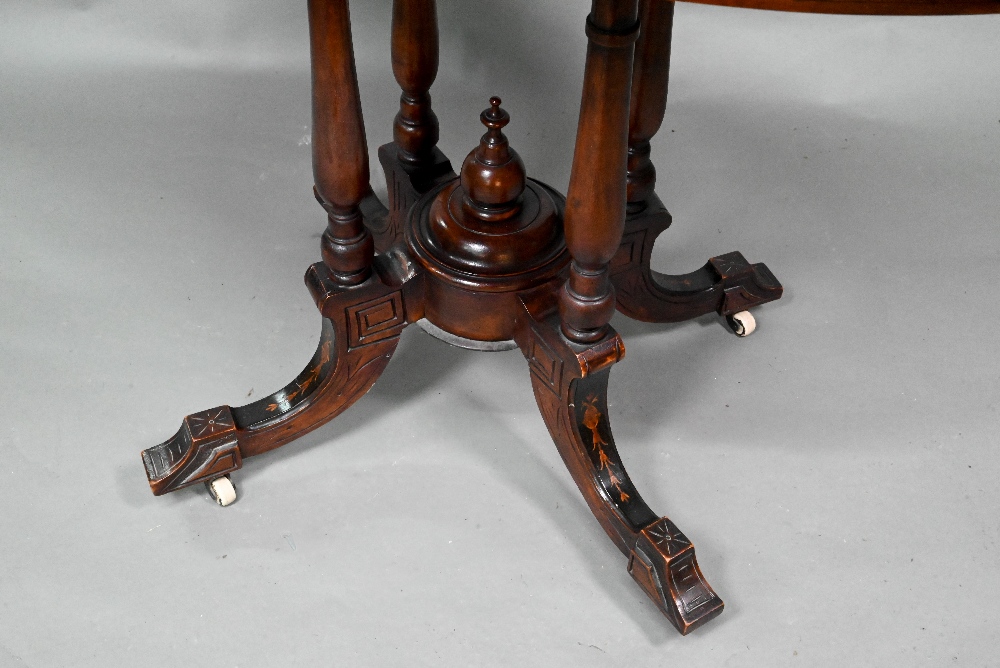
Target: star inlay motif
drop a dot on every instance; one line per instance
(668, 536)
(209, 423)
(728, 267)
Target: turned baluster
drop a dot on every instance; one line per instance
(595, 202)
(415, 65)
(339, 147)
(650, 75)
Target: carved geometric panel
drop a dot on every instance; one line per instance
(375, 320)
(546, 365)
(629, 253)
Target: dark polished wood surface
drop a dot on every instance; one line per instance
(490, 256)
(879, 7)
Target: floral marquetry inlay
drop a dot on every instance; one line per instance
(592, 420)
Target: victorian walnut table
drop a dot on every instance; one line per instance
(490, 259)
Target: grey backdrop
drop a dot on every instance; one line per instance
(837, 470)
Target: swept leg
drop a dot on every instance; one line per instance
(362, 302)
(570, 383)
(412, 162)
(727, 284)
(361, 327)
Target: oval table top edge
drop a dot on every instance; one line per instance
(870, 7)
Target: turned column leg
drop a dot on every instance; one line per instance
(650, 75)
(412, 162)
(339, 147)
(415, 66)
(595, 202)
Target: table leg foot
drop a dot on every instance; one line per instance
(664, 564)
(727, 284)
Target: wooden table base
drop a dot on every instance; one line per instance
(489, 255)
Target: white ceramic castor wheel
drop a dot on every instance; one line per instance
(742, 323)
(222, 490)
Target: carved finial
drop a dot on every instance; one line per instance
(493, 175)
(495, 118)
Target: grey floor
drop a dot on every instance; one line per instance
(837, 470)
